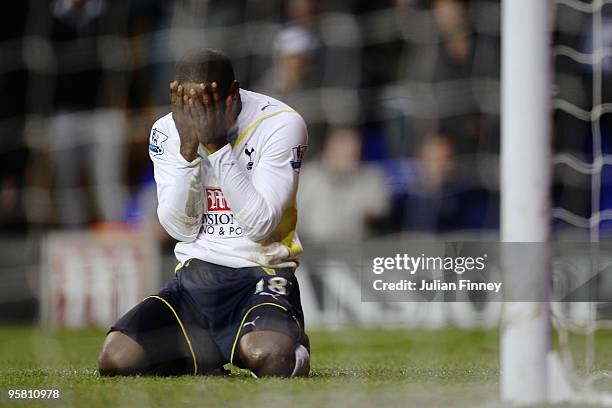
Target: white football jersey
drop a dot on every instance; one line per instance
(237, 206)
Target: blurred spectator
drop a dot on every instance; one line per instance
(294, 78)
(449, 76)
(86, 119)
(295, 73)
(146, 19)
(458, 72)
(444, 106)
(303, 12)
(338, 195)
(293, 67)
(454, 27)
(294, 47)
(439, 200)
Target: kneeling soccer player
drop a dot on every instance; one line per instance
(226, 166)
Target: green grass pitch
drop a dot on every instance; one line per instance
(350, 367)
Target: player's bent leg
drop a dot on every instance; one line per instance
(121, 355)
(271, 353)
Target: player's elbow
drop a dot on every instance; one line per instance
(258, 233)
(262, 227)
(180, 227)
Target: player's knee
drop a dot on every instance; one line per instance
(108, 364)
(268, 353)
(120, 355)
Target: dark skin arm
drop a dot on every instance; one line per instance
(182, 119)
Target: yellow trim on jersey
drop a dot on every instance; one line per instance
(243, 320)
(178, 266)
(295, 248)
(269, 271)
(195, 363)
(286, 231)
(206, 149)
(256, 123)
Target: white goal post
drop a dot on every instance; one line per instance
(531, 372)
(525, 189)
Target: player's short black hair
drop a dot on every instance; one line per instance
(205, 65)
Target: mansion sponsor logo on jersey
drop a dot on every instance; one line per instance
(219, 220)
(216, 200)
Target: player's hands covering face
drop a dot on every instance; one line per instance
(179, 103)
(202, 116)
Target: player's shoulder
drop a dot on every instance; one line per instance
(163, 139)
(164, 123)
(272, 110)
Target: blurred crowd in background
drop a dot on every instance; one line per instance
(402, 100)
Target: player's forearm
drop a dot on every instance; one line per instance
(178, 226)
(258, 214)
(180, 202)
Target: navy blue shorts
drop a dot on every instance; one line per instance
(194, 324)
